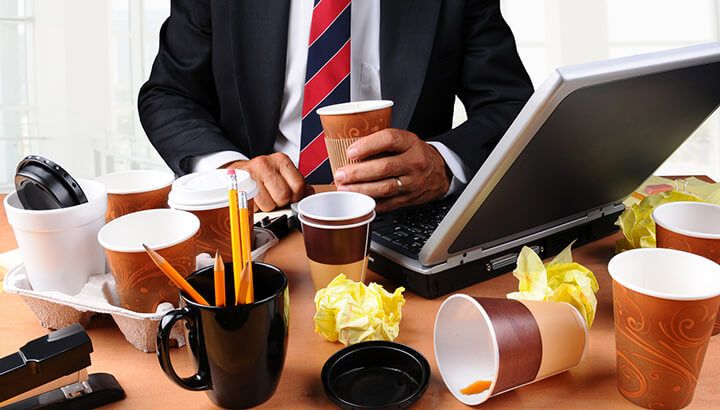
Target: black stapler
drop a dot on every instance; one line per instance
(50, 372)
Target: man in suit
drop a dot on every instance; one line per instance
(237, 83)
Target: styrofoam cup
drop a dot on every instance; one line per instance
(59, 246)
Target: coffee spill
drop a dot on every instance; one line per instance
(476, 387)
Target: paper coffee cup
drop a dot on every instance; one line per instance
(665, 303)
(336, 230)
(205, 194)
(505, 343)
(137, 190)
(343, 124)
(59, 246)
(692, 227)
(140, 284)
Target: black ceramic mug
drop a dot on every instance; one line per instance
(239, 350)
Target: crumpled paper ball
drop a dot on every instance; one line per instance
(561, 280)
(351, 312)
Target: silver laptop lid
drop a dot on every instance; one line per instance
(585, 140)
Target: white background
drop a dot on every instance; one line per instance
(70, 70)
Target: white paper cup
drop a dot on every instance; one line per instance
(506, 343)
(59, 246)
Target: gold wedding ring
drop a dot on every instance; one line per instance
(400, 185)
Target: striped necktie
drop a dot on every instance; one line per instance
(327, 81)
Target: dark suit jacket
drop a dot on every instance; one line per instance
(217, 82)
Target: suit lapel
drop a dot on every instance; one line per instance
(407, 30)
(259, 30)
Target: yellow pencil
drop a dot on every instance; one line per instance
(247, 290)
(235, 240)
(175, 276)
(219, 271)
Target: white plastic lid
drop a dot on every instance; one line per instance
(201, 191)
(354, 107)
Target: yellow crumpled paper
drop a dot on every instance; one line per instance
(636, 221)
(561, 280)
(352, 312)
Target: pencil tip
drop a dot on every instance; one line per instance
(146, 247)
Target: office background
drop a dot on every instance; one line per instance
(70, 70)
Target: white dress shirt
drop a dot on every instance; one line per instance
(364, 84)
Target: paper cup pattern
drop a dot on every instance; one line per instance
(344, 124)
(507, 343)
(205, 194)
(140, 284)
(691, 227)
(133, 191)
(665, 304)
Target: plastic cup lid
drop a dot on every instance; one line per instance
(42, 184)
(208, 190)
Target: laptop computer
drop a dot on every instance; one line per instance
(588, 137)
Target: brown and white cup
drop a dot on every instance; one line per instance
(336, 229)
(665, 303)
(205, 194)
(507, 343)
(692, 227)
(137, 190)
(140, 284)
(343, 124)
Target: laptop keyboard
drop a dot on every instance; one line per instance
(407, 230)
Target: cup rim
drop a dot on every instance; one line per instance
(102, 191)
(316, 225)
(155, 246)
(354, 107)
(615, 275)
(357, 214)
(496, 349)
(241, 305)
(161, 183)
(657, 217)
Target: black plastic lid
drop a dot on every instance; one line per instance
(42, 184)
(376, 375)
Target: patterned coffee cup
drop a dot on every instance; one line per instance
(133, 191)
(691, 227)
(502, 344)
(665, 303)
(336, 230)
(205, 194)
(344, 124)
(140, 284)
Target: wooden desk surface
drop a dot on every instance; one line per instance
(590, 385)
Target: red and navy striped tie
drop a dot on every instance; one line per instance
(327, 81)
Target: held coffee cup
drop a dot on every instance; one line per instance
(692, 227)
(59, 246)
(239, 351)
(132, 191)
(504, 344)
(140, 284)
(665, 303)
(336, 230)
(343, 124)
(205, 194)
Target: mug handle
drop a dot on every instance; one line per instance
(198, 380)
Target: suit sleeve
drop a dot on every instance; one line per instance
(494, 85)
(178, 106)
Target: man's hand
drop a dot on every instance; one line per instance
(420, 169)
(279, 181)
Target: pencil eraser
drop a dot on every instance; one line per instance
(656, 189)
(231, 171)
